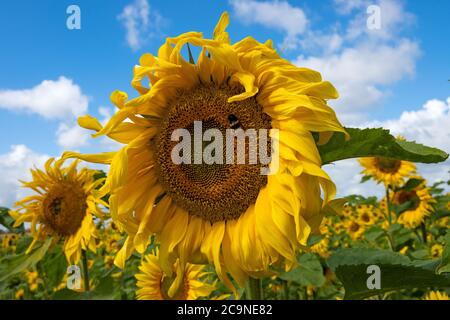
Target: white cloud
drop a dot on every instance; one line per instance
(363, 63)
(346, 174)
(279, 15)
(427, 125)
(393, 17)
(361, 73)
(140, 21)
(60, 99)
(347, 6)
(15, 165)
(51, 99)
(72, 136)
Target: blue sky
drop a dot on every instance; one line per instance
(396, 76)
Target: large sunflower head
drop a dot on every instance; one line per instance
(62, 206)
(421, 205)
(228, 214)
(387, 170)
(153, 284)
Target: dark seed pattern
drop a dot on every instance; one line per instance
(214, 192)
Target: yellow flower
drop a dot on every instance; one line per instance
(404, 250)
(421, 201)
(366, 217)
(436, 295)
(229, 215)
(436, 250)
(9, 241)
(109, 261)
(386, 170)
(347, 211)
(354, 229)
(321, 248)
(62, 207)
(33, 287)
(153, 284)
(32, 279)
(19, 294)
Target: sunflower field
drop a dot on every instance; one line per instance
(147, 227)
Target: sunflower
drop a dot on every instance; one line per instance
(389, 171)
(436, 250)
(366, 214)
(354, 228)
(321, 247)
(9, 241)
(20, 294)
(153, 284)
(436, 295)
(229, 215)
(63, 206)
(421, 205)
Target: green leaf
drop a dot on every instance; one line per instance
(314, 239)
(392, 278)
(397, 272)
(444, 266)
(365, 256)
(376, 143)
(309, 271)
(12, 265)
(7, 221)
(104, 290)
(400, 235)
(411, 184)
(374, 233)
(365, 178)
(400, 208)
(55, 266)
(67, 294)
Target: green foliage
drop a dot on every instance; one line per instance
(14, 264)
(398, 272)
(365, 255)
(393, 278)
(444, 265)
(7, 221)
(377, 143)
(411, 184)
(53, 266)
(308, 272)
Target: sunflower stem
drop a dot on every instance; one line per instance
(388, 205)
(424, 232)
(285, 289)
(253, 289)
(389, 218)
(85, 271)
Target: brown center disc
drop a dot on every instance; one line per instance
(64, 208)
(218, 191)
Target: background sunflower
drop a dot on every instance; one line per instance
(153, 284)
(63, 206)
